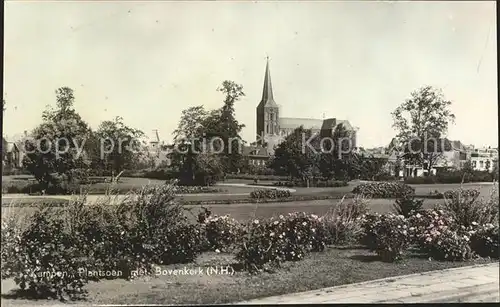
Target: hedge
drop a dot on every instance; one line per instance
(453, 177)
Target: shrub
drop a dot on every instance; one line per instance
(437, 233)
(222, 232)
(257, 177)
(484, 240)
(384, 190)
(452, 177)
(269, 193)
(391, 237)
(421, 180)
(49, 261)
(427, 221)
(271, 242)
(368, 235)
(11, 237)
(465, 207)
(404, 206)
(182, 244)
(448, 244)
(343, 224)
(384, 176)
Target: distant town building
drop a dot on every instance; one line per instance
(11, 155)
(453, 156)
(157, 150)
(482, 159)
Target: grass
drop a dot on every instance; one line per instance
(245, 211)
(334, 267)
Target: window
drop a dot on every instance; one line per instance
(481, 164)
(474, 164)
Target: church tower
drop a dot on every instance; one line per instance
(267, 112)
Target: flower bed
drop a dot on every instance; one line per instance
(384, 190)
(153, 230)
(269, 194)
(197, 190)
(318, 184)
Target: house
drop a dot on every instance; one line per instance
(257, 155)
(483, 159)
(11, 155)
(451, 155)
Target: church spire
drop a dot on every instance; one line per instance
(267, 93)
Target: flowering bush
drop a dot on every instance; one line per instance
(10, 246)
(465, 207)
(424, 222)
(368, 236)
(468, 195)
(448, 244)
(222, 232)
(270, 193)
(280, 239)
(343, 224)
(391, 236)
(484, 240)
(437, 233)
(384, 189)
(404, 206)
(49, 261)
(133, 234)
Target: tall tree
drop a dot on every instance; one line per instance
(337, 157)
(56, 147)
(191, 123)
(121, 146)
(229, 128)
(421, 123)
(294, 158)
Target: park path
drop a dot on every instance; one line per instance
(466, 284)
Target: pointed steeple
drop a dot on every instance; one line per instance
(267, 93)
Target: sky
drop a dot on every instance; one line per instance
(148, 61)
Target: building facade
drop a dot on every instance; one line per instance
(483, 159)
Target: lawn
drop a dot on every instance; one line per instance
(243, 212)
(333, 267)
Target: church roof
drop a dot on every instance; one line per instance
(293, 123)
(267, 92)
(313, 123)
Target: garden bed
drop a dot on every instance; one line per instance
(335, 266)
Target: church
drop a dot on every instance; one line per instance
(272, 128)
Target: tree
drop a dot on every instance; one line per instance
(191, 123)
(293, 158)
(227, 127)
(421, 122)
(120, 145)
(55, 150)
(337, 158)
(487, 165)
